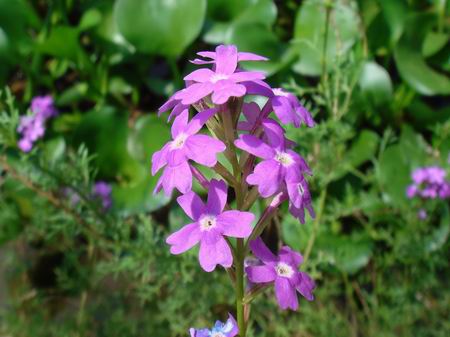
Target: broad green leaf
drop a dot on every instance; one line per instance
(410, 62)
(348, 253)
(375, 83)
(363, 148)
(163, 27)
(397, 162)
(309, 34)
(395, 13)
(433, 43)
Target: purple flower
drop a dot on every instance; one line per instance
(283, 271)
(241, 56)
(43, 106)
(227, 329)
(186, 145)
(32, 127)
(289, 110)
(211, 224)
(422, 214)
(222, 82)
(102, 190)
(299, 198)
(279, 163)
(429, 183)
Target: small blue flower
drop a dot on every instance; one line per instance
(227, 329)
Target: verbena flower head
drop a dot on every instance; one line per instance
(429, 183)
(227, 329)
(32, 127)
(219, 96)
(102, 191)
(283, 271)
(210, 227)
(186, 145)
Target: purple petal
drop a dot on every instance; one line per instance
(184, 239)
(305, 116)
(217, 196)
(274, 133)
(267, 176)
(179, 177)
(290, 256)
(305, 286)
(244, 56)
(258, 88)
(207, 54)
(224, 89)
(236, 224)
(176, 156)
(234, 330)
(261, 274)
(180, 123)
(200, 75)
(285, 294)
(167, 106)
(226, 59)
(200, 62)
(254, 146)
(199, 120)
(195, 92)
(211, 255)
(203, 149)
(261, 251)
(159, 159)
(285, 111)
(242, 76)
(177, 110)
(192, 205)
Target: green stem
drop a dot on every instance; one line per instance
(325, 38)
(312, 239)
(240, 287)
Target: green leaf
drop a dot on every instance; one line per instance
(410, 62)
(348, 254)
(54, 150)
(397, 162)
(363, 148)
(309, 34)
(375, 83)
(433, 43)
(439, 236)
(163, 27)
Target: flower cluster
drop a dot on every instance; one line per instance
(429, 183)
(32, 127)
(102, 191)
(262, 164)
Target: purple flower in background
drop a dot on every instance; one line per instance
(422, 214)
(43, 106)
(222, 82)
(289, 110)
(283, 271)
(32, 127)
(279, 163)
(211, 224)
(186, 145)
(429, 183)
(102, 191)
(227, 329)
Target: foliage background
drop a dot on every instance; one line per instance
(373, 72)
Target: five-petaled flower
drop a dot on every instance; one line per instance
(283, 271)
(210, 227)
(186, 145)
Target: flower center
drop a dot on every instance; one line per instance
(284, 158)
(284, 270)
(279, 92)
(218, 77)
(178, 142)
(207, 223)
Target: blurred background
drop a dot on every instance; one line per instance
(79, 258)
